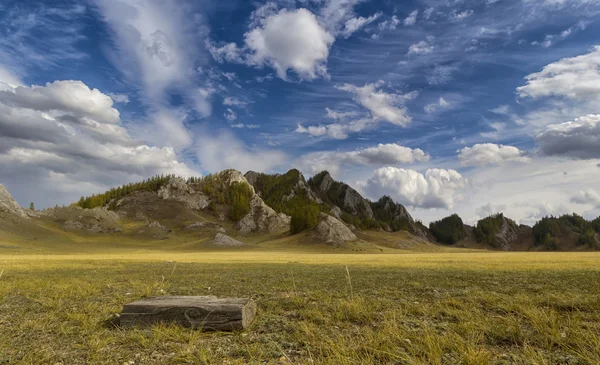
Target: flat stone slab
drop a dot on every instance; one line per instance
(205, 313)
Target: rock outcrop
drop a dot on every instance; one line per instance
(332, 231)
(262, 219)
(9, 205)
(226, 241)
(342, 195)
(178, 189)
(387, 210)
(508, 234)
(97, 220)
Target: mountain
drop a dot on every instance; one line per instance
(229, 209)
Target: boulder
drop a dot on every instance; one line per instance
(178, 189)
(332, 231)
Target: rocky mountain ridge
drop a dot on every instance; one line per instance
(227, 207)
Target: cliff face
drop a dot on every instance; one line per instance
(9, 205)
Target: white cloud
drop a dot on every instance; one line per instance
(489, 209)
(71, 95)
(233, 101)
(411, 19)
(428, 13)
(67, 130)
(434, 107)
(151, 42)
(391, 24)
(550, 39)
(355, 24)
(380, 155)
(437, 188)
(579, 138)
(441, 75)
(286, 40)
(119, 98)
(420, 48)
(491, 154)
(230, 115)
(225, 151)
(458, 16)
(338, 130)
(339, 115)
(9, 79)
(575, 78)
(382, 105)
(589, 196)
(335, 13)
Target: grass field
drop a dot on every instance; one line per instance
(407, 308)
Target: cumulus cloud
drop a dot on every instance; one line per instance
(579, 138)
(437, 188)
(575, 78)
(385, 106)
(491, 154)
(285, 40)
(223, 150)
(382, 154)
(355, 24)
(411, 19)
(589, 196)
(69, 131)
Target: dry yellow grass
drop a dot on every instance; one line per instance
(316, 305)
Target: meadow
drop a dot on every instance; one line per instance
(445, 307)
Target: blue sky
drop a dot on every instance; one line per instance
(448, 106)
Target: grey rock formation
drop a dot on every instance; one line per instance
(226, 241)
(262, 219)
(97, 220)
(252, 177)
(178, 189)
(332, 231)
(399, 214)
(228, 177)
(336, 212)
(509, 233)
(348, 199)
(9, 205)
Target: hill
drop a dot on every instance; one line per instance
(259, 210)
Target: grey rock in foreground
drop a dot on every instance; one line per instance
(198, 312)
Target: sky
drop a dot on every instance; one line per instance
(451, 106)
